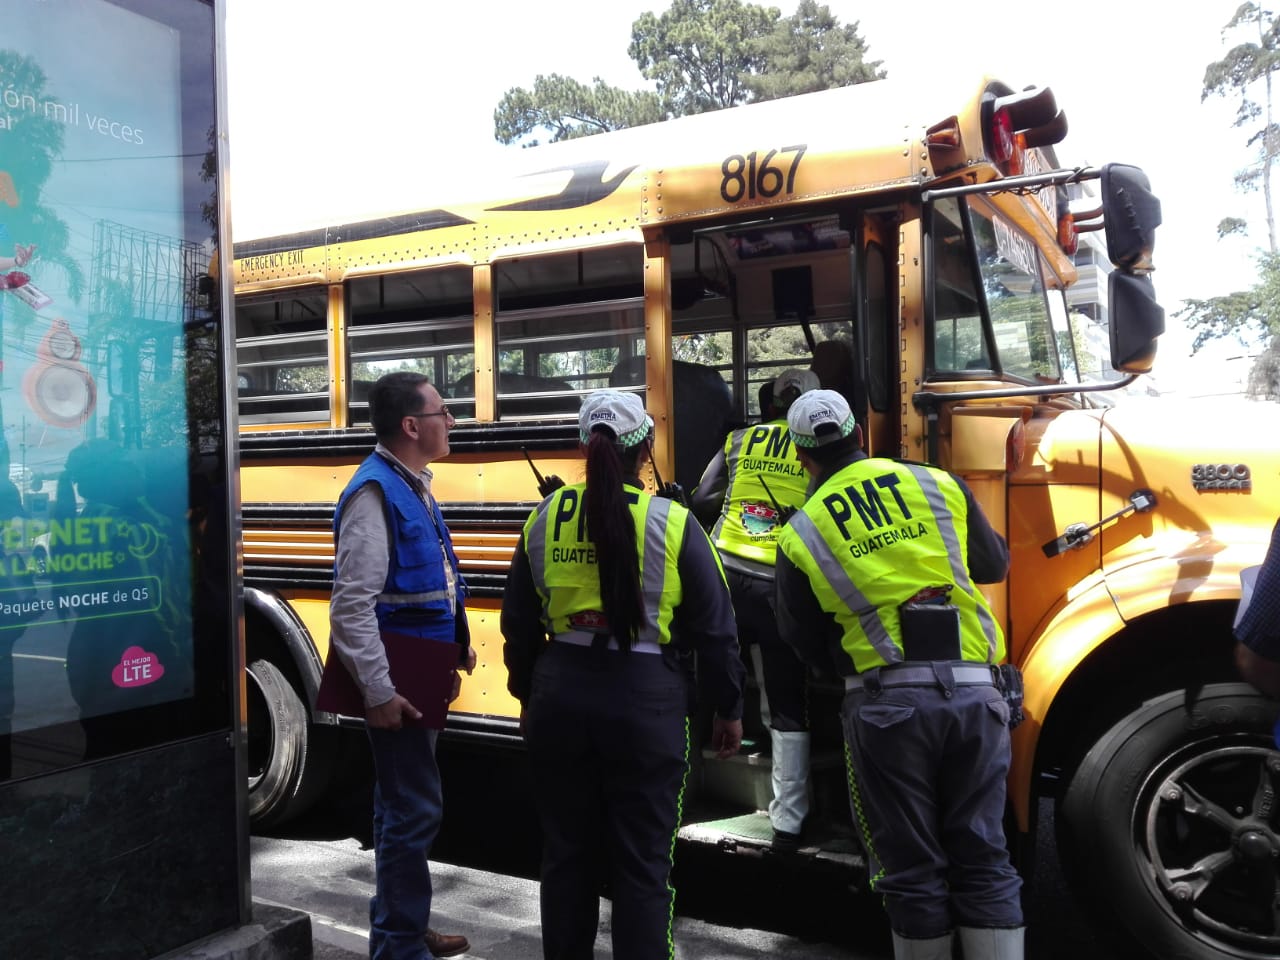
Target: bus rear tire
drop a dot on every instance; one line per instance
(285, 778)
(1167, 827)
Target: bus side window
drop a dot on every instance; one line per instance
(958, 343)
(281, 357)
(562, 323)
(524, 395)
(419, 321)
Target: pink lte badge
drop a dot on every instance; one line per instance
(137, 668)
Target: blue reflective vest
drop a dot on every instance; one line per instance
(416, 578)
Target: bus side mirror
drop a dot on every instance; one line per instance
(1135, 321)
(1131, 213)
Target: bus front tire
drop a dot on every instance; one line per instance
(1171, 822)
(284, 776)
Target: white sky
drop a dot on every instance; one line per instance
(331, 103)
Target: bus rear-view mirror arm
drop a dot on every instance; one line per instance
(924, 399)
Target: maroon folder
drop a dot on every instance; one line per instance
(422, 670)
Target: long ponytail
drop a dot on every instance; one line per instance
(612, 529)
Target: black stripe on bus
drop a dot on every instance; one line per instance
(456, 514)
(350, 232)
(484, 730)
(508, 437)
(508, 516)
(282, 576)
(586, 186)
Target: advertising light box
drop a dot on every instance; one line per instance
(109, 383)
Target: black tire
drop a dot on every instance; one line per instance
(285, 778)
(1171, 826)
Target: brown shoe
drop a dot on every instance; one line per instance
(446, 944)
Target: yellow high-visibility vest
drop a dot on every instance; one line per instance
(875, 534)
(565, 569)
(749, 520)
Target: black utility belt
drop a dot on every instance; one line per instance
(914, 674)
(580, 638)
(1005, 677)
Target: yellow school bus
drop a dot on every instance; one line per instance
(917, 248)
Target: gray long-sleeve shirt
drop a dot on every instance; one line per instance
(363, 559)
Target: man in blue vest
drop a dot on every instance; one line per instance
(877, 577)
(743, 499)
(395, 569)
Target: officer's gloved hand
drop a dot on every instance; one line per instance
(785, 514)
(549, 484)
(673, 491)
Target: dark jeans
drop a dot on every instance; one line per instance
(407, 808)
(785, 681)
(608, 741)
(928, 790)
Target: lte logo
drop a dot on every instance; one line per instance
(137, 668)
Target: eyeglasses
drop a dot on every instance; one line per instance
(442, 412)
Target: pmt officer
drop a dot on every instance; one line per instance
(877, 575)
(608, 586)
(744, 497)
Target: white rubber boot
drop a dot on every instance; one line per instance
(790, 776)
(908, 948)
(992, 943)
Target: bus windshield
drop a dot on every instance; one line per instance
(1017, 339)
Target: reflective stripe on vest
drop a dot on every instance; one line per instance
(873, 535)
(749, 522)
(958, 554)
(850, 597)
(404, 599)
(566, 575)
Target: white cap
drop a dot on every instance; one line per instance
(819, 417)
(796, 381)
(623, 413)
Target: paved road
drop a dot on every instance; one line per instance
(729, 909)
(728, 906)
(332, 880)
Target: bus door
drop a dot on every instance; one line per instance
(877, 337)
(752, 300)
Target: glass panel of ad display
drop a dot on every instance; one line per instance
(113, 511)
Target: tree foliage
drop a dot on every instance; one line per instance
(209, 175)
(1247, 71)
(811, 51)
(700, 55)
(1239, 312)
(1079, 359)
(1254, 311)
(1246, 67)
(569, 109)
(1264, 376)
